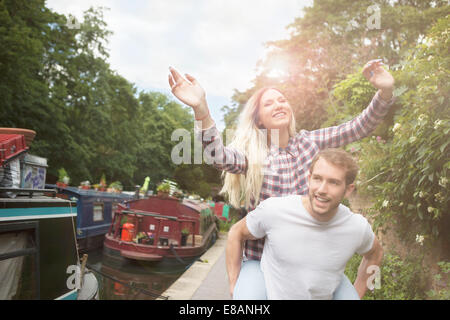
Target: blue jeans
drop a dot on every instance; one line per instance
(250, 285)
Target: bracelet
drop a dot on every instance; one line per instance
(202, 118)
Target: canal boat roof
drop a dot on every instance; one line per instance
(91, 193)
(195, 204)
(169, 206)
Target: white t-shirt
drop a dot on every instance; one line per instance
(304, 258)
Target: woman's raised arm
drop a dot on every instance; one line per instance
(192, 94)
(367, 121)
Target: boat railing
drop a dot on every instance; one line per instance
(150, 214)
(158, 217)
(28, 191)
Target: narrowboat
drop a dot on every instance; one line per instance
(94, 213)
(38, 255)
(159, 234)
(38, 250)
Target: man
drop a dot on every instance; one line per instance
(311, 238)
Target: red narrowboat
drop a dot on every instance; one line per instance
(159, 234)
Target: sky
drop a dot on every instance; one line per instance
(219, 42)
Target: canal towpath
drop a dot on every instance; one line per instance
(206, 279)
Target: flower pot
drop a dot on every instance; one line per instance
(183, 239)
(162, 194)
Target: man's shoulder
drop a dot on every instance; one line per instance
(280, 201)
(350, 216)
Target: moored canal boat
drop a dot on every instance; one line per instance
(95, 210)
(159, 234)
(38, 250)
(38, 257)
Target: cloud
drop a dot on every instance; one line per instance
(219, 42)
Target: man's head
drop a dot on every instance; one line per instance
(331, 177)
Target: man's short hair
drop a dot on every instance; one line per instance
(339, 158)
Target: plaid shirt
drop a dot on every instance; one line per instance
(286, 170)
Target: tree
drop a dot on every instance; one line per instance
(334, 39)
(160, 117)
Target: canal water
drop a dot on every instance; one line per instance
(127, 284)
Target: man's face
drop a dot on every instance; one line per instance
(327, 188)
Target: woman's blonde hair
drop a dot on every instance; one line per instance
(250, 139)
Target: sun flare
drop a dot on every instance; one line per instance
(277, 67)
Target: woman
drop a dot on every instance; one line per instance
(267, 158)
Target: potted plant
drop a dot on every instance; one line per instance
(63, 178)
(86, 185)
(184, 234)
(149, 239)
(140, 237)
(102, 184)
(163, 189)
(115, 186)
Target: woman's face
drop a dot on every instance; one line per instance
(274, 110)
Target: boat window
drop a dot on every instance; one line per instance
(19, 270)
(98, 212)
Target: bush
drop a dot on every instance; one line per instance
(224, 226)
(401, 279)
(442, 278)
(407, 167)
(415, 188)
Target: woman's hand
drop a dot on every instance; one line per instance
(379, 77)
(189, 92)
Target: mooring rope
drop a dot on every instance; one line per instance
(74, 234)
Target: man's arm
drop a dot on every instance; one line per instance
(371, 258)
(233, 253)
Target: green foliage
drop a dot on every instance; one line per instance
(414, 189)
(405, 163)
(224, 226)
(62, 174)
(207, 179)
(57, 81)
(330, 41)
(159, 117)
(349, 98)
(353, 94)
(401, 279)
(163, 187)
(116, 185)
(185, 231)
(346, 202)
(443, 292)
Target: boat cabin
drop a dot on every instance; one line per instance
(163, 221)
(95, 210)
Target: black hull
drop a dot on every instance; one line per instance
(90, 243)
